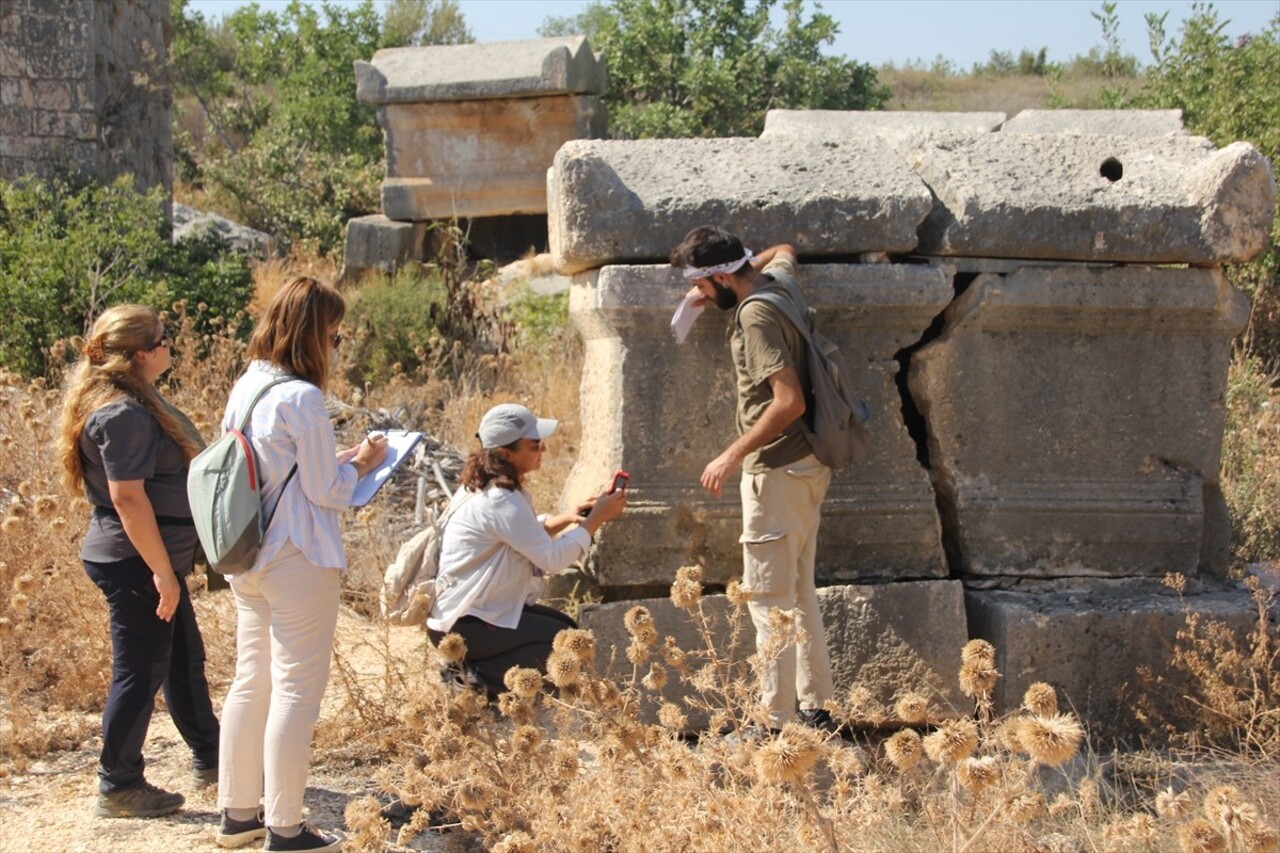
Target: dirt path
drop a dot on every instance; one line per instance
(50, 808)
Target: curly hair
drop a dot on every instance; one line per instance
(293, 332)
(106, 373)
(704, 246)
(487, 467)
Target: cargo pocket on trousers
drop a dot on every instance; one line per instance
(764, 561)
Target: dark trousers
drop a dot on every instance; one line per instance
(148, 653)
(491, 650)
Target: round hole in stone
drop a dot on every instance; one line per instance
(1111, 169)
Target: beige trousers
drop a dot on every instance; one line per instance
(781, 510)
(286, 617)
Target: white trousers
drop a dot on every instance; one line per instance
(781, 510)
(286, 616)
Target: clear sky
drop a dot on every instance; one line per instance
(880, 31)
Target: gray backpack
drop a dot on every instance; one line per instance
(224, 486)
(835, 420)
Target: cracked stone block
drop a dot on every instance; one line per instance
(1138, 123)
(1088, 638)
(1095, 197)
(375, 242)
(875, 636)
(662, 411)
(632, 201)
(472, 72)
(478, 158)
(891, 126)
(1075, 419)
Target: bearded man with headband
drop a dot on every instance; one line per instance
(782, 483)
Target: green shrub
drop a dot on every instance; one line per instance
(540, 321)
(69, 249)
(1250, 448)
(395, 322)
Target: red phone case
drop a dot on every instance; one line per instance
(622, 476)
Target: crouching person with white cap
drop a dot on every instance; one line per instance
(495, 551)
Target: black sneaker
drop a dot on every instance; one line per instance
(309, 839)
(140, 800)
(820, 719)
(238, 833)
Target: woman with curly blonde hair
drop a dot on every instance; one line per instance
(126, 448)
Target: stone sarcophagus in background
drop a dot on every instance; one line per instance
(1034, 311)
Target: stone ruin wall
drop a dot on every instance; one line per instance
(1034, 309)
(84, 85)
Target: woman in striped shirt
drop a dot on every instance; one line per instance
(287, 604)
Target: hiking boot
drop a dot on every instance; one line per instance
(204, 776)
(238, 833)
(820, 719)
(139, 800)
(309, 839)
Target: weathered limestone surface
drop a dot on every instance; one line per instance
(471, 72)
(1088, 639)
(663, 411)
(1169, 199)
(892, 126)
(1075, 419)
(615, 202)
(84, 85)
(887, 638)
(1135, 123)
(376, 242)
(478, 158)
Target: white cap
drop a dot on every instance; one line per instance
(508, 422)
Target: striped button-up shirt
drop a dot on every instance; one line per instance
(290, 424)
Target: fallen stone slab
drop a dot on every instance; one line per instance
(378, 243)
(1075, 420)
(620, 201)
(469, 72)
(1137, 123)
(662, 411)
(189, 223)
(478, 158)
(1089, 639)
(875, 635)
(1169, 199)
(893, 126)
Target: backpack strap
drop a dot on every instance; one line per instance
(784, 304)
(244, 424)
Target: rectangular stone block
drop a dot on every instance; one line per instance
(612, 202)
(875, 636)
(1137, 123)
(470, 72)
(478, 158)
(1094, 197)
(67, 125)
(663, 411)
(893, 126)
(1075, 418)
(375, 242)
(1088, 638)
(52, 95)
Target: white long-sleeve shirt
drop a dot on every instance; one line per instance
(493, 554)
(290, 424)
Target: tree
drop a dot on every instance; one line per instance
(715, 67)
(419, 22)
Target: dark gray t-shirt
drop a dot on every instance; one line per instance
(121, 441)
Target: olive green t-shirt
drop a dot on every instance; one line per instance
(762, 342)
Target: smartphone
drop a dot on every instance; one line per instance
(620, 481)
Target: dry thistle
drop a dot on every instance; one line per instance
(635, 617)
(671, 717)
(955, 740)
(516, 842)
(523, 681)
(19, 601)
(1199, 836)
(790, 756)
(1219, 798)
(686, 592)
(1142, 827)
(977, 774)
(637, 653)
(515, 707)
(564, 764)
(978, 650)
(1025, 808)
(1173, 806)
(656, 679)
(978, 678)
(737, 594)
(6, 626)
(1041, 699)
(526, 739)
(11, 525)
(675, 656)
(563, 668)
(46, 505)
(24, 582)
(1176, 581)
(452, 648)
(704, 680)
(1264, 840)
(580, 642)
(903, 749)
(473, 795)
(1051, 740)
(912, 708)
(781, 623)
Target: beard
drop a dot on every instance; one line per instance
(725, 299)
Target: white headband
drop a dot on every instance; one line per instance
(691, 273)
